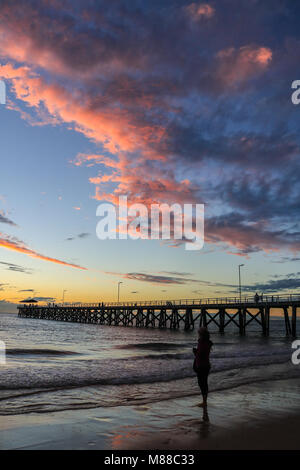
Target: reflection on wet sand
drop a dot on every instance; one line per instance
(204, 428)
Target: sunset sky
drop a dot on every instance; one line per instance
(162, 101)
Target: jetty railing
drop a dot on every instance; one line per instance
(269, 298)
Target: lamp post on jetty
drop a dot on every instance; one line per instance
(240, 284)
(120, 282)
(63, 298)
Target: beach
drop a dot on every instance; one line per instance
(265, 415)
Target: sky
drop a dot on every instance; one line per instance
(164, 102)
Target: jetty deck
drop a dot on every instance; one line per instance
(176, 314)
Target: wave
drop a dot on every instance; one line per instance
(183, 371)
(156, 357)
(157, 347)
(189, 356)
(91, 398)
(39, 352)
(152, 345)
(224, 355)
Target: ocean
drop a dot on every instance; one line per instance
(55, 366)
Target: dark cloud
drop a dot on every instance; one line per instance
(155, 278)
(80, 235)
(83, 235)
(286, 259)
(246, 236)
(176, 273)
(16, 268)
(6, 220)
(41, 299)
(45, 299)
(274, 286)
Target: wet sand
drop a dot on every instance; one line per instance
(265, 415)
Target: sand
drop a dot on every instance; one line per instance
(264, 415)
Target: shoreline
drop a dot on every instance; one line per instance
(264, 415)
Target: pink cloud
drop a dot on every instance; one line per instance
(16, 245)
(247, 238)
(198, 11)
(139, 178)
(236, 65)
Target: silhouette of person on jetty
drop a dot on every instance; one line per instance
(202, 365)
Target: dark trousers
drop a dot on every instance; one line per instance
(202, 375)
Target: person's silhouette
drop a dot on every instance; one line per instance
(201, 362)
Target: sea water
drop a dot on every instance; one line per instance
(55, 366)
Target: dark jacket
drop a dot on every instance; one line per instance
(202, 354)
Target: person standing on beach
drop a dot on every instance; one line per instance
(201, 362)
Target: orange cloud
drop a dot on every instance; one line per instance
(236, 65)
(247, 238)
(18, 246)
(198, 11)
(143, 182)
(142, 177)
(114, 128)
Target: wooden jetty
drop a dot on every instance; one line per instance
(188, 313)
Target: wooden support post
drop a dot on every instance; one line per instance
(126, 317)
(244, 318)
(267, 321)
(148, 317)
(263, 319)
(203, 319)
(188, 319)
(288, 329)
(241, 329)
(294, 321)
(192, 322)
(140, 318)
(162, 318)
(150, 320)
(174, 323)
(222, 319)
(129, 319)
